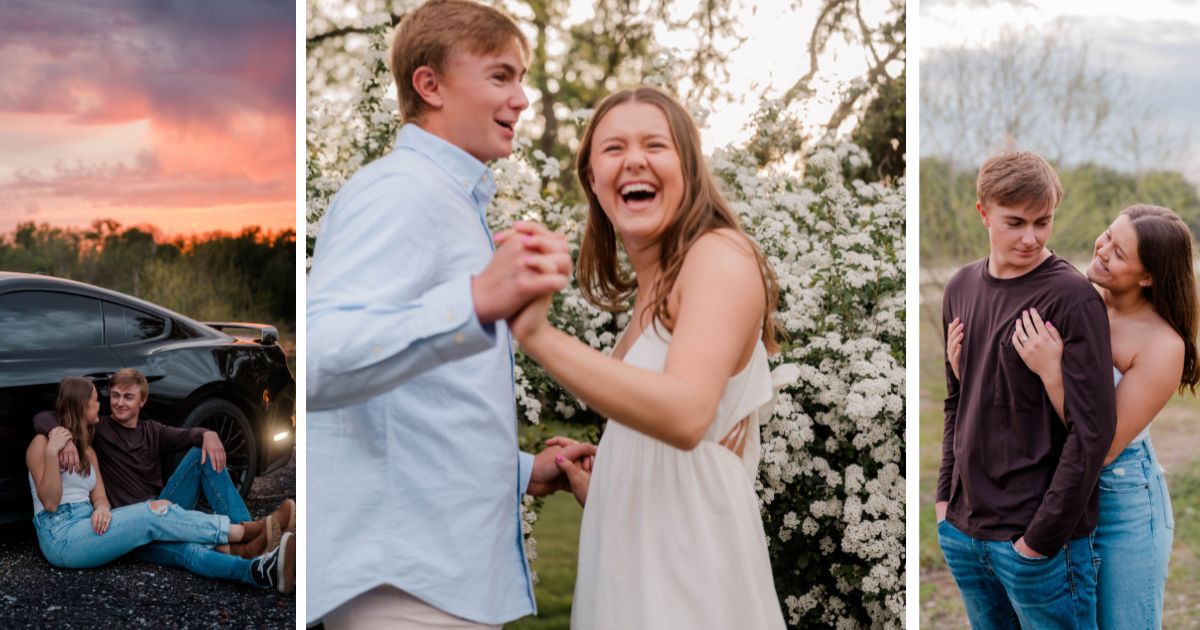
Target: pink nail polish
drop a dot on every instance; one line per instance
(559, 458)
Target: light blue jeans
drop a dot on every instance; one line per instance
(1134, 539)
(190, 479)
(1003, 589)
(68, 540)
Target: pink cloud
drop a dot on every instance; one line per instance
(215, 81)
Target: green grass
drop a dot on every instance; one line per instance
(557, 534)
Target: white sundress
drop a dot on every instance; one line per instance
(672, 538)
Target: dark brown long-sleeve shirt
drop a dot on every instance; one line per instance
(131, 459)
(1010, 466)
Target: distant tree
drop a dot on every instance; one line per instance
(1044, 90)
(951, 231)
(249, 276)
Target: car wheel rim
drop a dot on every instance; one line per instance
(235, 442)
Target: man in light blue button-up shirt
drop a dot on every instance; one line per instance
(414, 475)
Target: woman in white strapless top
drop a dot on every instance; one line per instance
(672, 535)
(1142, 266)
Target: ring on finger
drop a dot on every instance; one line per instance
(1024, 338)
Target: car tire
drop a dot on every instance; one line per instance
(231, 425)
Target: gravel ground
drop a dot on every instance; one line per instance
(133, 594)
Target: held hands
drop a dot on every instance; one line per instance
(68, 457)
(1039, 345)
(530, 262)
(548, 474)
(59, 438)
(579, 475)
(212, 450)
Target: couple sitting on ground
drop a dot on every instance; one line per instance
(79, 527)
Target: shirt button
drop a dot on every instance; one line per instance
(375, 350)
(449, 316)
(458, 338)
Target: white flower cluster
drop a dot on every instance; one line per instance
(830, 484)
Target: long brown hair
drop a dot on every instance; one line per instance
(1165, 249)
(74, 394)
(702, 210)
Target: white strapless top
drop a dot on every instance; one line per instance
(1146, 431)
(75, 488)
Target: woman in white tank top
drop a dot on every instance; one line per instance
(671, 536)
(1142, 265)
(76, 528)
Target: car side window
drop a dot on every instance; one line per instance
(122, 325)
(40, 320)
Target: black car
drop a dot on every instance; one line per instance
(199, 375)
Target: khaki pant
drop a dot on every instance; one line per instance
(387, 607)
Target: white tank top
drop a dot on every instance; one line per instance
(75, 488)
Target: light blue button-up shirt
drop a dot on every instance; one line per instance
(413, 472)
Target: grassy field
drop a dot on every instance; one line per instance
(557, 534)
(1176, 435)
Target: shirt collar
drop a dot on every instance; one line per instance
(472, 175)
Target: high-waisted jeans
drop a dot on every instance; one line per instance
(1133, 540)
(68, 540)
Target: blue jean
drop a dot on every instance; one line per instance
(1133, 539)
(184, 488)
(68, 540)
(1003, 589)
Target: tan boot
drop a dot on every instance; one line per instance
(285, 516)
(256, 540)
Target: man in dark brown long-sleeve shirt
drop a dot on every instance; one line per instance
(1016, 495)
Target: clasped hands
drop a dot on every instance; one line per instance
(530, 265)
(563, 465)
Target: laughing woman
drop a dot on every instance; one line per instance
(671, 534)
(1142, 265)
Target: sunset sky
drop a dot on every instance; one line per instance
(178, 114)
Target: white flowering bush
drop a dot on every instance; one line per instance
(830, 484)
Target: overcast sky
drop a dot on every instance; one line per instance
(1154, 43)
(177, 113)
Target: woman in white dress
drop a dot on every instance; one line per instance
(671, 535)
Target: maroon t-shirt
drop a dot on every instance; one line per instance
(1010, 466)
(131, 459)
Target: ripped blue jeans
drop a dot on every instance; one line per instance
(68, 541)
(190, 480)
